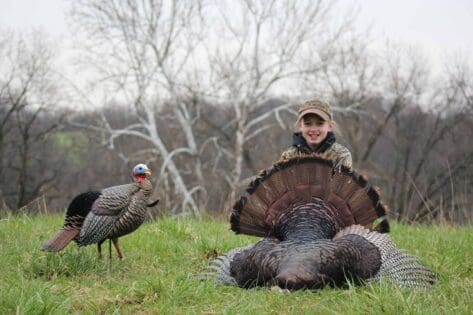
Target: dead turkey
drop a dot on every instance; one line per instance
(320, 228)
(95, 216)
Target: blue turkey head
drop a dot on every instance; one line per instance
(141, 169)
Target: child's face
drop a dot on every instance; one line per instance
(314, 129)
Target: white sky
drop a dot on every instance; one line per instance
(25, 14)
(439, 28)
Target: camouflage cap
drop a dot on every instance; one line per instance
(317, 107)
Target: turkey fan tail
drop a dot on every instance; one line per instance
(60, 240)
(397, 267)
(364, 203)
(274, 190)
(272, 193)
(76, 212)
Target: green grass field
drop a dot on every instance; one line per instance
(163, 260)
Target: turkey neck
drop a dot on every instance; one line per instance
(146, 187)
(308, 221)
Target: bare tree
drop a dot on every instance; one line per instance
(141, 51)
(27, 94)
(407, 139)
(453, 112)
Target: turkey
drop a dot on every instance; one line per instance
(320, 228)
(94, 216)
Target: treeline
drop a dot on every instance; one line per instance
(422, 161)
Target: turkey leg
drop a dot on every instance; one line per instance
(117, 247)
(99, 248)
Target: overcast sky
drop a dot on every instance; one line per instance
(439, 28)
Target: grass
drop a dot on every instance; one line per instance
(159, 274)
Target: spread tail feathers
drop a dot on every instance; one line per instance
(276, 189)
(60, 240)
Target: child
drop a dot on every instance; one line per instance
(316, 135)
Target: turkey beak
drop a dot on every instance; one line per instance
(148, 173)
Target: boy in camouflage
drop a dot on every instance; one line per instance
(316, 135)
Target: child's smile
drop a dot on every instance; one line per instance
(314, 130)
(314, 136)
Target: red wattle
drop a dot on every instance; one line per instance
(140, 177)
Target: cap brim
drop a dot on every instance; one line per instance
(314, 111)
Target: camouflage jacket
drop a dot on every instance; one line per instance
(328, 149)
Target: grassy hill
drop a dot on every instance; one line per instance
(163, 260)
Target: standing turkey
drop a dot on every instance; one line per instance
(94, 216)
(320, 228)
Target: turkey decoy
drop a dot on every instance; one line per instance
(320, 227)
(94, 216)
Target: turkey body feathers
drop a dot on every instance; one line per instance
(131, 219)
(106, 210)
(397, 267)
(354, 255)
(115, 200)
(312, 264)
(308, 220)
